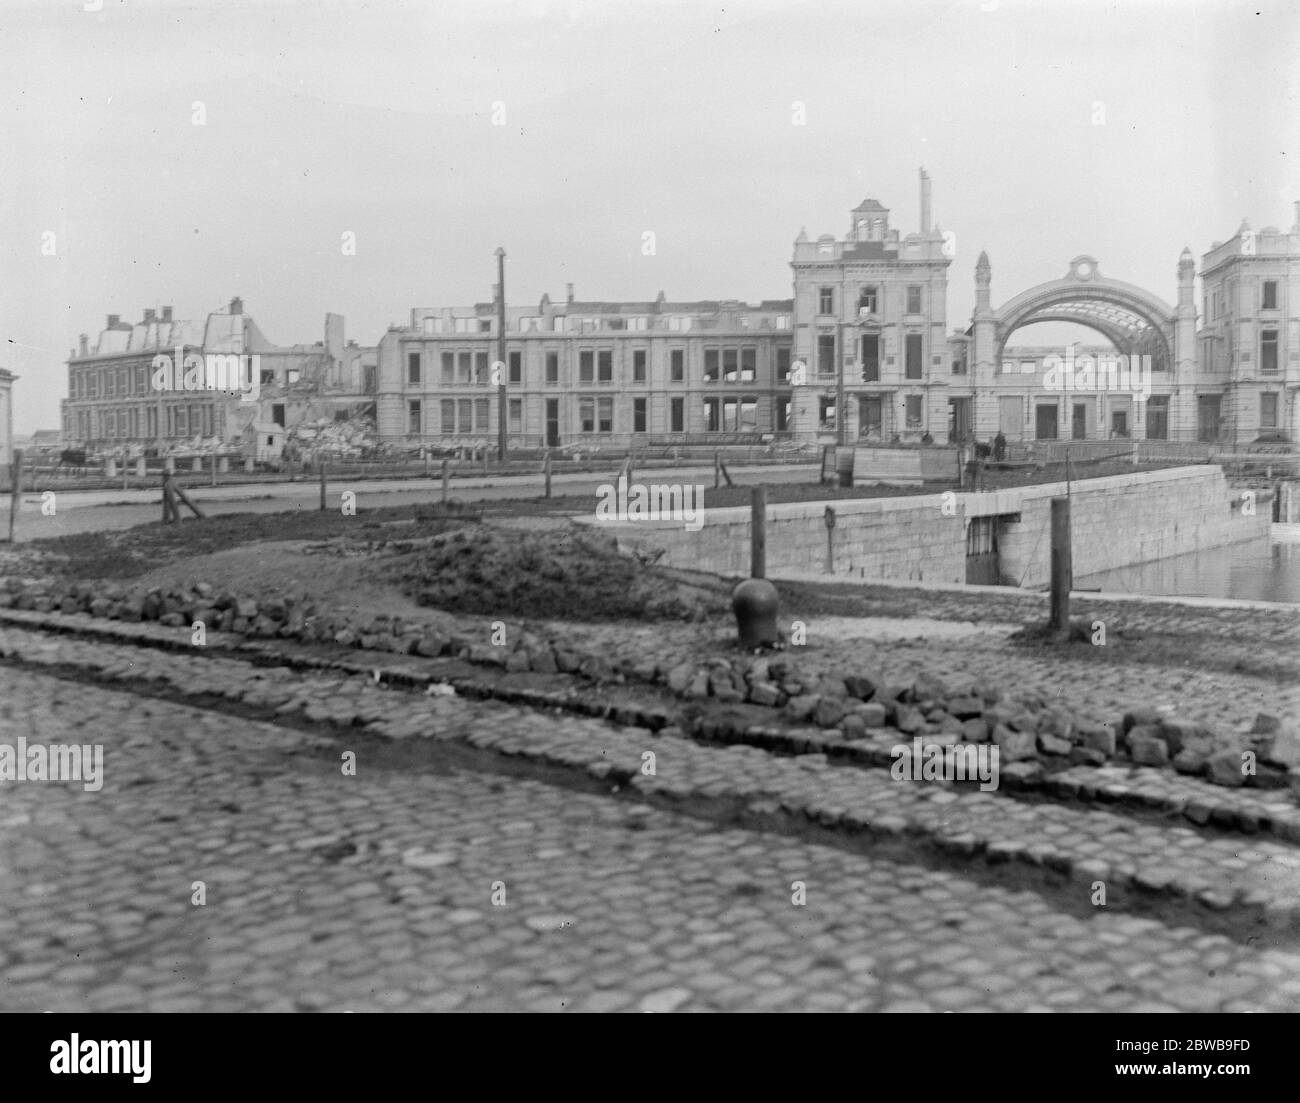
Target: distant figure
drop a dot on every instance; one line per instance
(999, 447)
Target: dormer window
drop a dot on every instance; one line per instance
(867, 301)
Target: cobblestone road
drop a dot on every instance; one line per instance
(376, 891)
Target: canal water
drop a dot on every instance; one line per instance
(1254, 571)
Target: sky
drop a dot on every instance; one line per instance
(367, 158)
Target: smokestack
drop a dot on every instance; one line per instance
(236, 305)
(925, 202)
(83, 345)
(113, 319)
(166, 314)
(148, 316)
(568, 292)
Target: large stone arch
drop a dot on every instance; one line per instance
(1135, 321)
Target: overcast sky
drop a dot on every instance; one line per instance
(1050, 128)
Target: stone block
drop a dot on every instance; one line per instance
(1224, 769)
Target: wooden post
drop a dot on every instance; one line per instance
(126, 472)
(170, 513)
(758, 532)
(321, 463)
(1062, 567)
(546, 469)
(717, 469)
(485, 461)
(424, 455)
(212, 459)
(446, 477)
(186, 499)
(16, 488)
(830, 546)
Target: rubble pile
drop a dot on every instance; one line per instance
(353, 439)
(1032, 734)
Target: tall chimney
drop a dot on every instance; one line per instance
(568, 292)
(148, 315)
(83, 345)
(113, 319)
(925, 202)
(166, 314)
(236, 305)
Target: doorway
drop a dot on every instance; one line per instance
(871, 416)
(1079, 421)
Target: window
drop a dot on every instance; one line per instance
(465, 413)
(586, 368)
(485, 325)
(1268, 411)
(587, 414)
(552, 367)
(605, 366)
(677, 415)
(111, 385)
(464, 325)
(516, 411)
(638, 415)
(448, 368)
(826, 354)
(616, 323)
(826, 300)
(413, 367)
(482, 422)
(731, 365)
(1269, 299)
(516, 367)
(959, 365)
(428, 325)
(782, 364)
(1158, 417)
(713, 415)
(1268, 351)
(413, 416)
(914, 299)
(826, 414)
(480, 367)
(141, 381)
(913, 356)
(449, 417)
(748, 364)
(782, 415)
(914, 411)
(638, 365)
(867, 301)
(710, 365)
(679, 324)
(277, 413)
(783, 322)
(605, 415)
(677, 370)
(637, 323)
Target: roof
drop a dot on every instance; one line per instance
(870, 205)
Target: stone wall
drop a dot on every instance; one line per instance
(1116, 521)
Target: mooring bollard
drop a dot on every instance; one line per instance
(322, 484)
(1062, 567)
(754, 601)
(141, 468)
(446, 478)
(170, 511)
(546, 470)
(830, 547)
